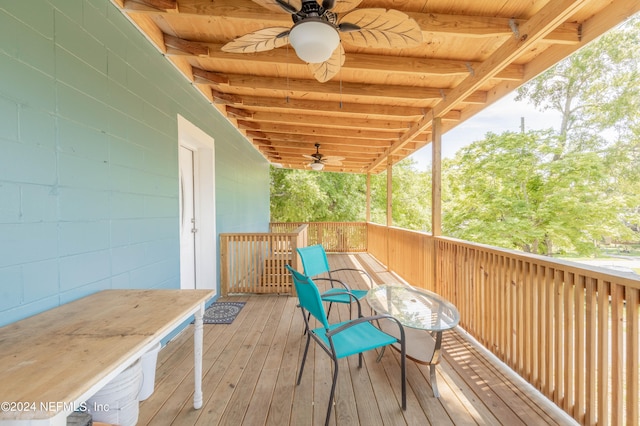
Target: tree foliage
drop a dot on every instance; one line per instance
(512, 190)
(562, 189)
(541, 191)
(411, 197)
(303, 196)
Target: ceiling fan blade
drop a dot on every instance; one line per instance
(326, 70)
(346, 27)
(382, 28)
(343, 6)
(275, 6)
(287, 7)
(259, 41)
(332, 160)
(328, 4)
(310, 157)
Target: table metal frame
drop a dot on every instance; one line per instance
(417, 310)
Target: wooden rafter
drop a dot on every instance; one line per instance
(382, 104)
(430, 23)
(533, 30)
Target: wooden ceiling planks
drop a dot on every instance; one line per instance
(382, 102)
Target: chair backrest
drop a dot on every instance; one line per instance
(309, 296)
(314, 260)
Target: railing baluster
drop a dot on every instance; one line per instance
(632, 354)
(603, 352)
(561, 326)
(580, 406)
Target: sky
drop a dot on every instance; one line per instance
(504, 115)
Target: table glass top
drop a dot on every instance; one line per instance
(415, 308)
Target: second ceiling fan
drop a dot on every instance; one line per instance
(317, 31)
(319, 160)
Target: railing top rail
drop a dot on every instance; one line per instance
(620, 277)
(301, 228)
(260, 234)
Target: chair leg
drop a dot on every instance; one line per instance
(379, 358)
(329, 310)
(433, 378)
(403, 366)
(308, 319)
(304, 357)
(333, 391)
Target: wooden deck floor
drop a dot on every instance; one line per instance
(250, 368)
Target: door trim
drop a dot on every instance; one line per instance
(202, 145)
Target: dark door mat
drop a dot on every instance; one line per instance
(222, 312)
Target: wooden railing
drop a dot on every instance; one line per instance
(254, 262)
(410, 254)
(571, 330)
(337, 237)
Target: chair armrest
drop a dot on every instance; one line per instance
(356, 270)
(351, 296)
(332, 280)
(366, 319)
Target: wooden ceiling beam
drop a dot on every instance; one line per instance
(307, 147)
(298, 155)
(348, 156)
(313, 129)
(326, 107)
(309, 138)
(321, 120)
(365, 93)
(484, 26)
(357, 144)
(430, 23)
(391, 123)
(536, 28)
(402, 65)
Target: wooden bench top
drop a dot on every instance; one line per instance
(65, 354)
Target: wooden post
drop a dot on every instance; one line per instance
(224, 265)
(368, 208)
(389, 210)
(389, 194)
(436, 178)
(436, 197)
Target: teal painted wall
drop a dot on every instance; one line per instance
(89, 157)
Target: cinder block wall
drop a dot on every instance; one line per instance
(89, 157)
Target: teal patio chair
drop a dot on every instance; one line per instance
(345, 338)
(315, 262)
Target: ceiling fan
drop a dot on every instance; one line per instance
(317, 31)
(318, 160)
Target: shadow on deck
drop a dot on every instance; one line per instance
(250, 369)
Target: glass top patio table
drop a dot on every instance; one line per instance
(415, 308)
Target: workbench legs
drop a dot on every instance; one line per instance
(197, 353)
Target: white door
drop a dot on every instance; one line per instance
(198, 248)
(188, 227)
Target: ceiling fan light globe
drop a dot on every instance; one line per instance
(317, 166)
(314, 40)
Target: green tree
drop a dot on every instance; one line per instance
(296, 196)
(562, 190)
(514, 191)
(411, 197)
(597, 92)
(304, 196)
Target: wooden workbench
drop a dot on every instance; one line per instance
(54, 361)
